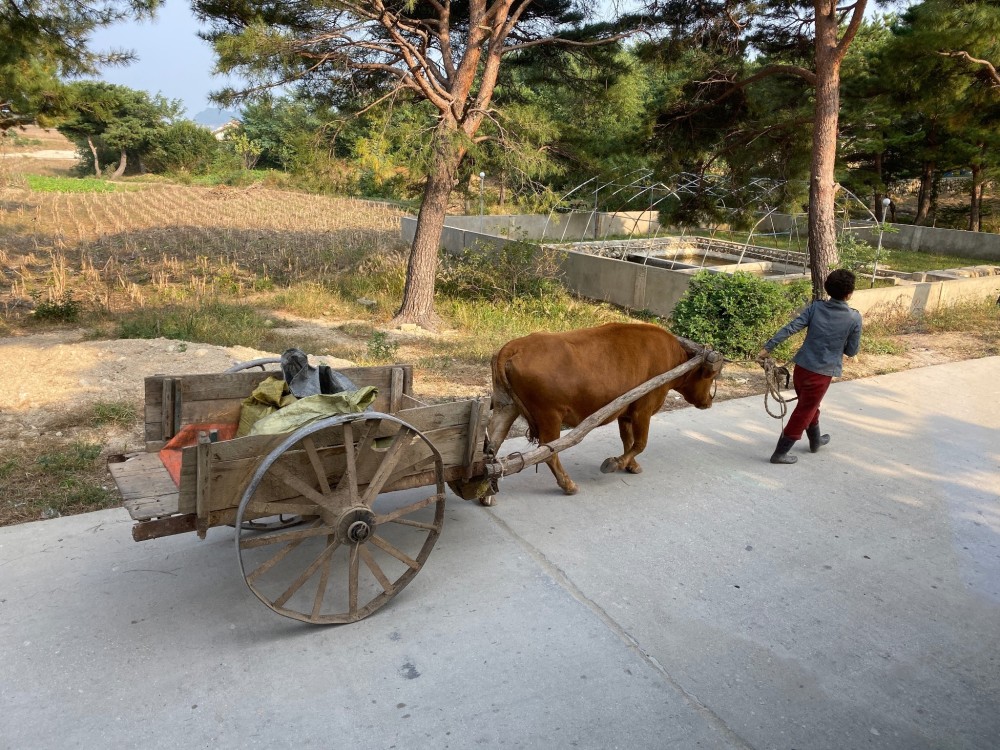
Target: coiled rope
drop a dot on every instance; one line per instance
(773, 374)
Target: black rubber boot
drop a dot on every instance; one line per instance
(816, 441)
(780, 455)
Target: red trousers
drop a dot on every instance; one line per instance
(810, 387)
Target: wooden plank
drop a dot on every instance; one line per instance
(230, 477)
(475, 417)
(203, 484)
(167, 409)
(146, 487)
(153, 407)
(215, 411)
(163, 527)
(396, 390)
(232, 463)
(225, 391)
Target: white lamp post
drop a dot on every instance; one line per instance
(881, 228)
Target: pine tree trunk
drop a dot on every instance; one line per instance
(924, 195)
(121, 166)
(93, 150)
(421, 272)
(974, 224)
(822, 186)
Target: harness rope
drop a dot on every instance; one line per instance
(773, 373)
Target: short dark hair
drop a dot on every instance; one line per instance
(839, 283)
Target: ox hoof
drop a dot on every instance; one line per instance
(610, 466)
(570, 489)
(488, 500)
(634, 469)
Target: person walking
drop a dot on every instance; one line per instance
(833, 331)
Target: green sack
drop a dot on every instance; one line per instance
(311, 408)
(270, 395)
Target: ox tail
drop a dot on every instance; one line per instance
(504, 394)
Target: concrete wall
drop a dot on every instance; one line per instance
(925, 296)
(555, 228)
(645, 287)
(981, 245)
(620, 282)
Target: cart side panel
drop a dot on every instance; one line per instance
(174, 401)
(232, 463)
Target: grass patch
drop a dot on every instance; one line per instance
(219, 323)
(981, 318)
(75, 457)
(312, 300)
(63, 479)
(49, 184)
(120, 413)
(909, 261)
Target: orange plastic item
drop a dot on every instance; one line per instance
(170, 454)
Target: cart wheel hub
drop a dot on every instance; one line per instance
(356, 525)
(359, 531)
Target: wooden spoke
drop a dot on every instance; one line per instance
(298, 485)
(407, 509)
(349, 480)
(324, 579)
(352, 580)
(416, 524)
(287, 536)
(272, 561)
(374, 568)
(393, 453)
(306, 574)
(402, 557)
(317, 464)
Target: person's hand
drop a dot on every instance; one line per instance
(762, 355)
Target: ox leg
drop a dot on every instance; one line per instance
(501, 421)
(634, 434)
(548, 430)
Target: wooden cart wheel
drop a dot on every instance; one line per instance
(363, 540)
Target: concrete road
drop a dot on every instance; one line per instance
(715, 601)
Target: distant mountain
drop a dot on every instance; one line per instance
(213, 117)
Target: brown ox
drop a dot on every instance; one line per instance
(556, 379)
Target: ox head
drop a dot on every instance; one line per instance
(698, 386)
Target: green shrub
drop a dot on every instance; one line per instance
(735, 313)
(381, 348)
(183, 147)
(65, 309)
(499, 274)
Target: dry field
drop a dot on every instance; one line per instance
(112, 247)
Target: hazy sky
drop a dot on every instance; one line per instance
(173, 61)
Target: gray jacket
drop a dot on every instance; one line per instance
(834, 330)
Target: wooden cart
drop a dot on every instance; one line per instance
(324, 530)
